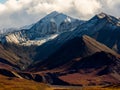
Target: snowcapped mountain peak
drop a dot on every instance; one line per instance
(56, 18)
(50, 15)
(101, 15)
(53, 13)
(108, 17)
(51, 25)
(105, 18)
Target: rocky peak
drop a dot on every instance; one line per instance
(44, 30)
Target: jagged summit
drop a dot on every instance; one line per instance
(57, 18)
(102, 15)
(109, 18)
(52, 14)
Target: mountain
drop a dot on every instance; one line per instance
(83, 58)
(26, 27)
(77, 47)
(101, 68)
(45, 29)
(60, 50)
(8, 58)
(102, 27)
(5, 31)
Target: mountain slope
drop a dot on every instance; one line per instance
(84, 59)
(104, 28)
(8, 57)
(16, 56)
(100, 68)
(74, 48)
(101, 27)
(53, 24)
(70, 53)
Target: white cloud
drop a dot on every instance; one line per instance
(2, 8)
(16, 13)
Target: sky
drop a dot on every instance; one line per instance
(18, 13)
(3, 1)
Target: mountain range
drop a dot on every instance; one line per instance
(45, 29)
(58, 48)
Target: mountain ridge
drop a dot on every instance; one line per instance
(76, 47)
(100, 29)
(53, 24)
(86, 51)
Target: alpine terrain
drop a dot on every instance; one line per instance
(63, 51)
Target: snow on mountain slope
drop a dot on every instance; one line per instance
(54, 23)
(40, 41)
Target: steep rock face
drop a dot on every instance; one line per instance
(16, 37)
(53, 23)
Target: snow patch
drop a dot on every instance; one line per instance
(101, 15)
(39, 41)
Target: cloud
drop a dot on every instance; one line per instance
(111, 7)
(17, 13)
